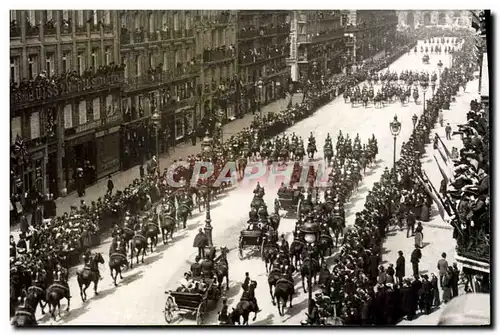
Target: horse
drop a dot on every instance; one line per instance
(346, 95)
(311, 149)
(25, 315)
(325, 244)
(415, 96)
(245, 307)
(54, 294)
(152, 230)
(309, 266)
(88, 275)
(128, 233)
(269, 254)
(36, 294)
(221, 267)
(167, 225)
(272, 278)
(182, 213)
(116, 261)
(299, 153)
(283, 292)
(296, 249)
(365, 99)
(337, 225)
(138, 243)
(328, 153)
(202, 196)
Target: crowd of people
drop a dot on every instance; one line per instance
(362, 290)
(67, 236)
(46, 85)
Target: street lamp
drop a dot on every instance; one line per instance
(414, 120)
(351, 39)
(157, 123)
(310, 231)
(258, 86)
(395, 127)
(207, 145)
(424, 86)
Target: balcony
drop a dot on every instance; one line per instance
(177, 34)
(81, 29)
(248, 33)
(108, 28)
(124, 36)
(32, 30)
(264, 54)
(153, 36)
(66, 26)
(186, 70)
(46, 90)
(138, 36)
(281, 29)
(153, 78)
(189, 33)
(166, 34)
(219, 54)
(49, 28)
(15, 29)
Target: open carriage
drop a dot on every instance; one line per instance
(250, 238)
(191, 302)
(289, 201)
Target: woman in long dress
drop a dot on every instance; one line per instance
(419, 236)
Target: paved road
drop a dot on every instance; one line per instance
(124, 178)
(140, 295)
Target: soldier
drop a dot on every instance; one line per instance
(246, 282)
(284, 247)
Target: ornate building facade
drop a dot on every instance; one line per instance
(263, 47)
(417, 18)
(316, 43)
(158, 49)
(65, 97)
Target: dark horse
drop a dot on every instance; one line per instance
(245, 307)
(25, 315)
(117, 259)
(309, 266)
(270, 254)
(167, 225)
(283, 292)
(88, 275)
(56, 292)
(138, 243)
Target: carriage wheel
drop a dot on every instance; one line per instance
(200, 312)
(240, 249)
(169, 309)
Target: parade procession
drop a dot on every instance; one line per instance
(309, 167)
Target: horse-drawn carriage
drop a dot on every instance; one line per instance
(290, 200)
(256, 239)
(194, 302)
(425, 59)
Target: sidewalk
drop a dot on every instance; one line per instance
(124, 178)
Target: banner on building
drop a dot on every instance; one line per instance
(35, 125)
(96, 108)
(82, 112)
(68, 116)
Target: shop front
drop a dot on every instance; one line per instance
(80, 152)
(108, 151)
(135, 143)
(184, 123)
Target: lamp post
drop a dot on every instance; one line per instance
(414, 119)
(310, 230)
(395, 127)
(424, 86)
(351, 39)
(157, 123)
(258, 86)
(207, 145)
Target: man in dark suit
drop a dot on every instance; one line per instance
(416, 255)
(400, 267)
(111, 186)
(442, 266)
(196, 267)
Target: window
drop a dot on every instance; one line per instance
(49, 64)
(165, 61)
(177, 57)
(137, 21)
(32, 66)
(96, 108)
(65, 15)
(123, 20)
(95, 17)
(66, 64)
(151, 23)
(31, 17)
(176, 21)
(14, 69)
(107, 17)
(49, 15)
(214, 39)
(188, 21)
(13, 15)
(68, 116)
(151, 61)
(138, 65)
(188, 54)
(79, 18)
(221, 37)
(164, 19)
(80, 63)
(82, 112)
(35, 125)
(107, 56)
(95, 59)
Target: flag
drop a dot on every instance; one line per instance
(20, 147)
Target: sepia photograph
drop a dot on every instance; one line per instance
(211, 167)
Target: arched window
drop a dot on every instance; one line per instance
(151, 23)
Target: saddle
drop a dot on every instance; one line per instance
(24, 313)
(144, 239)
(119, 255)
(58, 285)
(285, 281)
